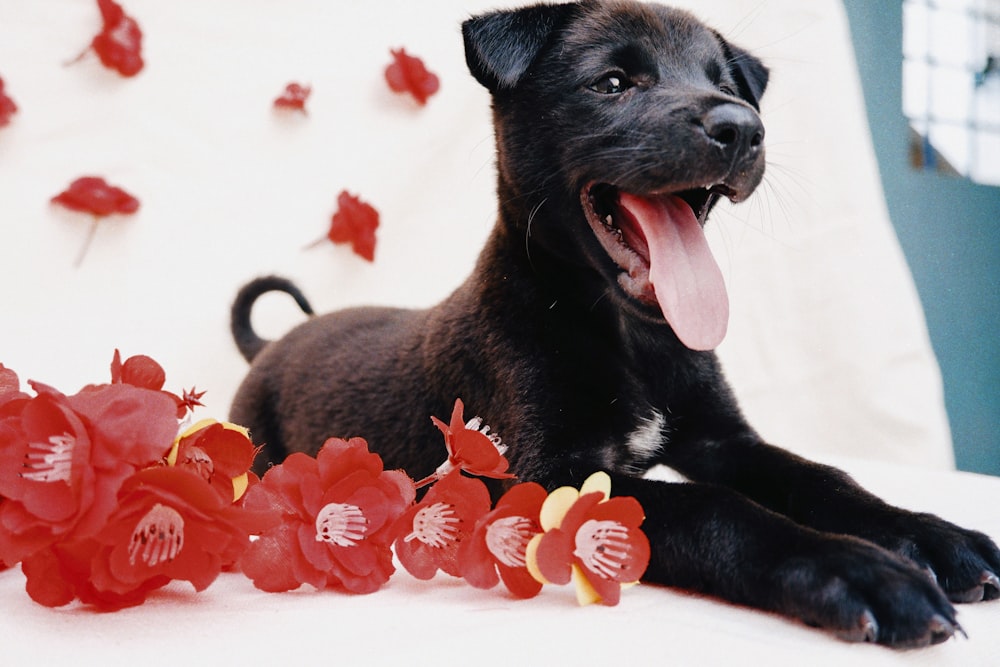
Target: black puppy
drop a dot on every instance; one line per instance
(584, 334)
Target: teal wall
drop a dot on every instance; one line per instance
(949, 229)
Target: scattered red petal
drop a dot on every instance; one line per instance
(92, 194)
(355, 223)
(7, 106)
(119, 44)
(294, 98)
(407, 74)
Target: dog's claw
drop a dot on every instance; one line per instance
(942, 629)
(987, 589)
(865, 631)
(991, 586)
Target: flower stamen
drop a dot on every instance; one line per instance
(476, 424)
(50, 461)
(602, 546)
(341, 525)
(158, 537)
(200, 462)
(507, 539)
(435, 525)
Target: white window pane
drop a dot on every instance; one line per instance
(951, 94)
(952, 142)
(915, 78)
(915, 30)
(986, 168)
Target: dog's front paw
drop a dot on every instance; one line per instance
(863, 593)
(965, 563)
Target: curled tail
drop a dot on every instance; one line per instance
(247, 340)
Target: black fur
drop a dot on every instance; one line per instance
(566, 364)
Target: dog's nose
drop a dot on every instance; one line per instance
(736, 128)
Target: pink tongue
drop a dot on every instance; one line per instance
(684, 275)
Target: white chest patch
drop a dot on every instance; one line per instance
(646, 440)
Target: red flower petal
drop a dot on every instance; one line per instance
(45, 583)
(293, 98)
(92, 194)
(128, 424)
(9, 382)
(555, 556)
(355, 223)
(119, 44)
(7, 106)
(407, 74)
(260, 561)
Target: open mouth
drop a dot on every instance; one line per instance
(657, 242)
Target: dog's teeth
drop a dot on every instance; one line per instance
(609, 221)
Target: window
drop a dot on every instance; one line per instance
(951, 86)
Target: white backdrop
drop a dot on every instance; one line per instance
(827, 346)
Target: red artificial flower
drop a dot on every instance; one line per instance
(221, 453)
(119, 44)
(497, 548)
(7, 106)
(470, 448)
(62, 459)
(330, 520)
(167, 524)
(91, 194)
(428, 535)
(355, 223)
(294, 98)
(407, 74)
(590, 538)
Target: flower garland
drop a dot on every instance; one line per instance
(106, 497)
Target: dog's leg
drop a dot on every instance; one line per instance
(964, 562)
(711, 539)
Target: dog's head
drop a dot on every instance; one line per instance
(622, 124)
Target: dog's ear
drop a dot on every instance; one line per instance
(750, 73)
(500, 46)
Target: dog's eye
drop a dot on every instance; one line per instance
(611, 84)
